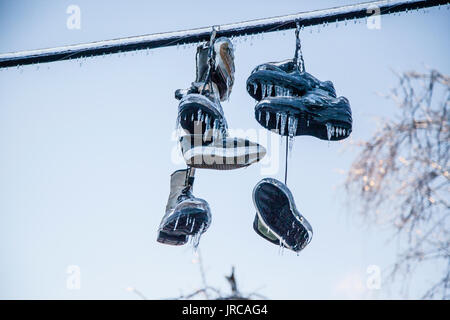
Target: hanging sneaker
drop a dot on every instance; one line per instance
(186, 216)
(198, 113)
(222, 75)
(216, 151)
(204, 138)
(294, 103)
(200, 104)
(277, 218)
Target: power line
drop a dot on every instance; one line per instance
(158, 40)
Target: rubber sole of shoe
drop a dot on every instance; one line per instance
(187, 223)
(221, 167)
(277, 212)
(171, 239)
(330, 121)
(211, 157)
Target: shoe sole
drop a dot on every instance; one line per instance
(170, 239)
(223, 158)
(296, 230)
(187, 223)
(331, 121)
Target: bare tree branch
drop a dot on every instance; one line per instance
(400, 177)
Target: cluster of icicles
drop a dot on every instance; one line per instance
(335, 131)
(281, 120)
(269, 90)
(195, 238)
(213, 128)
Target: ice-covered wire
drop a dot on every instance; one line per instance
(174, 38)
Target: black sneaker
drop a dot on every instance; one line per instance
(186, 216)
(277, 218)
(294, 103)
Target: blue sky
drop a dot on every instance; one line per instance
(85, 153)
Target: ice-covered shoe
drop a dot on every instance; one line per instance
(264, 232)
(295, 103)
(215, 151)
(222, 74)
(201, 102)
(277, 218)
(198, 113)
(186, 216)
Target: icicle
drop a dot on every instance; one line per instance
(329, 128)
(176, 224)
(277, 120)
(295, 126)
(259, 116)
(283, 123)
(267, 118)
(192, 117)
(255, 88)
(207, 128)
(196, 238)
(278, 91)
(199, 114)
(343, 131)
(269, 89)
(216, 129)
(292, 128)
(193, 223)
(290, 145)
(263, 90)
(207, 120)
